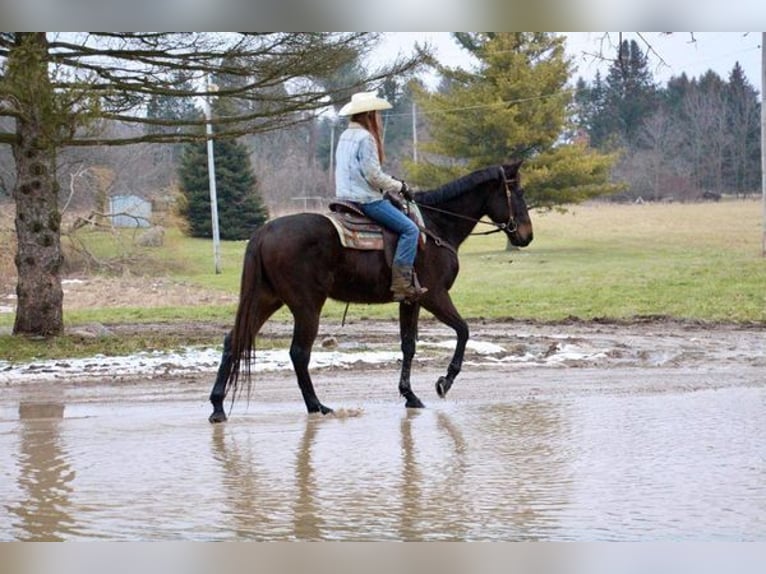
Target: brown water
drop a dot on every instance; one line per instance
(532, 454)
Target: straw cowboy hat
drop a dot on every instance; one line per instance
(364, 102)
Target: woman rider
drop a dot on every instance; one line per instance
(360, 178)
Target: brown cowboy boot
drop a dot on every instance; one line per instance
(404, 286)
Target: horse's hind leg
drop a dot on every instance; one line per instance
(304, 333)
(219, 387)
(218, 394)
(408, 330)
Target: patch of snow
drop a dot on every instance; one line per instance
(566, 353)
(187, 361)
(195, 361)
(479, 347)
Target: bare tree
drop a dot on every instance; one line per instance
(664, 164)
(60, 88)
(707, 135)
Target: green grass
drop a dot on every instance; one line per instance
(18, 349)
(697, 262)
(694, 261)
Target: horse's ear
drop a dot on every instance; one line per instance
(512, 167)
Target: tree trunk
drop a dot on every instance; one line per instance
(38, 259)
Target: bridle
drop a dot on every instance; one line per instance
(509, 226)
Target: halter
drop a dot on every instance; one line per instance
(509, 226)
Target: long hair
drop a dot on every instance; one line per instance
(371, 122)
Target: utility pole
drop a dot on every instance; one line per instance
(211, 178)
(332, 151)
(763, 139)
(414, 133)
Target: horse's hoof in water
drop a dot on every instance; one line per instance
(414, 403)
(442, 386)
(321, 409)
(217, 417)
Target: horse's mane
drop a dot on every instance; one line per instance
(459, 186)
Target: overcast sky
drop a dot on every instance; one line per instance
(679, 52)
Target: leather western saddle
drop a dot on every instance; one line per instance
(357, 231)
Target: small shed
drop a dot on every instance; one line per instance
(130, 211)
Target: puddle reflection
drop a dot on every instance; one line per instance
(307, 521)
(342, 479)
(673, 466)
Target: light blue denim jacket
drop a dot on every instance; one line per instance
(358, 175)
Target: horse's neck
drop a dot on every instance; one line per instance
(457, 217)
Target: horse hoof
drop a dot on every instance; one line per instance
(442, 386)
(325, 410)
(217, 417)
(414, 403)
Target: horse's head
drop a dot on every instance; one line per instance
(507, 206)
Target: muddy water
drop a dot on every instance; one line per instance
(533, 454)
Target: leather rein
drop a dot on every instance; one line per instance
(509, 226)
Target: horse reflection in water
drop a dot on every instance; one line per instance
(441, 502)
(298, 261)
(299, 497)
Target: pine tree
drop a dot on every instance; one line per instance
(742, 117)
(240, 208)
(630, 96)
(589, 103)
(166, 109)
(516, 105)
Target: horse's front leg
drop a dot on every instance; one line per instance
(444, 310)
(304, 334)
(408, 330)
(218, 393)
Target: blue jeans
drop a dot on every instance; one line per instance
(384, 212)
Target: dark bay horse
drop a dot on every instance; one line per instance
(298, 261)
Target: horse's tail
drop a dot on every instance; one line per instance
(244, 331)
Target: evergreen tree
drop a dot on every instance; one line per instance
(630, 96)
(627, 97)
(240, 208)
(515, 106)
(674, 93)
(742, 120)
(589, 104)
(164, 111)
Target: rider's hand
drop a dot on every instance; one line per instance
(393, 198)
(406, 192)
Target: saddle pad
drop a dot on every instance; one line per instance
(360, 232)
(356, 232)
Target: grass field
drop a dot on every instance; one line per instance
(687, 261)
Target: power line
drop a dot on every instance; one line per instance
(483, 106)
